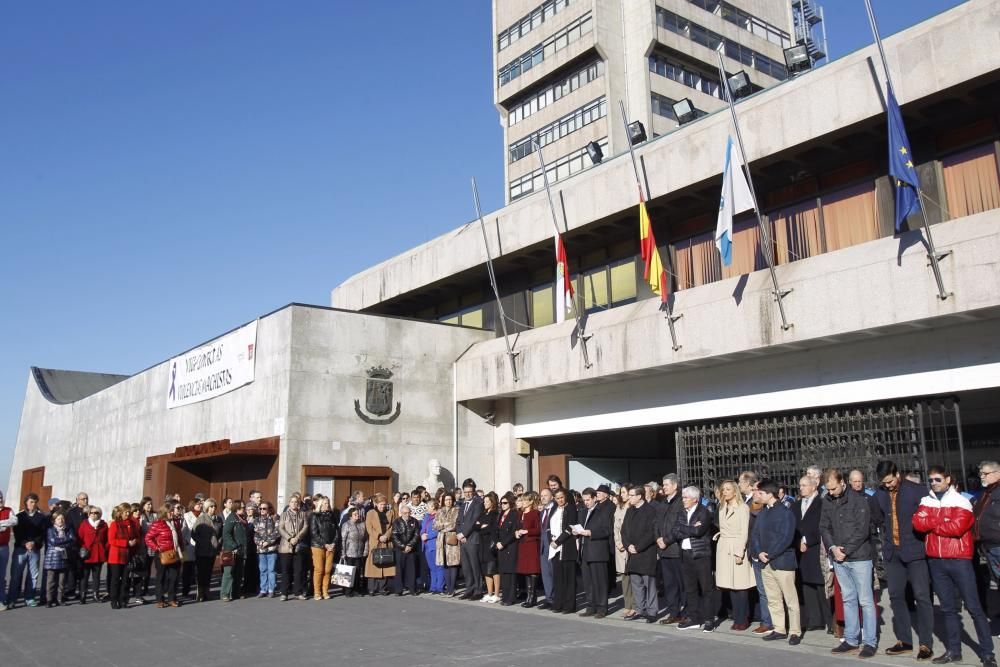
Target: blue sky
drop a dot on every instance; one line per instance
(171, 170)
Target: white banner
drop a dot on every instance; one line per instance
(211, 370)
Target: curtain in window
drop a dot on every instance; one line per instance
(748, 254)
(971, 182)
(697, 261)
(849, 216)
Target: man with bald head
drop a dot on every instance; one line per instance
(816, 607)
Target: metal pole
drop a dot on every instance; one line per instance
(493, 282)
(555, 225)
(932, 253)
(635, 168)
(779, 295)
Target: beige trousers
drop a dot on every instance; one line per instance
(780, 588)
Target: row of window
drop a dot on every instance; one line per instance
(745, 20)
(558, 170)
(555, 92)
(547, 49)
(539, 15)
(683, 74)
(701, 35)
(556, 130)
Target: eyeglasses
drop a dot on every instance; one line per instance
(985, 473)
(95, 514)
(935, 480)
(504, 502)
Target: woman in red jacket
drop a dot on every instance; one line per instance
(122, 537)
(164, 537)
(93, 534)
(528, 545)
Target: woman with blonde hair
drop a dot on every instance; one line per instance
(449, 553)
(122, 537)
(378, 526)
(324, 538)
(732, 566)
(529, 545)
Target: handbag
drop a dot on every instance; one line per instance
(343, 575)
(451, 539)
(227, 558)
(169, 557)
(84, 552)
(383, 557)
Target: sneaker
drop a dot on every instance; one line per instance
(775, 636)
(844, 648)
(899, 649)
(867, 652)
(262, 594)
(924, 653)
(689, 625)
(31, 603)
(138, 601)
(708, 627)
(990, 662)
(303, 597)
(945, 658)
(284, 598)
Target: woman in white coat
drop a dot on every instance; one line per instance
(732, 564)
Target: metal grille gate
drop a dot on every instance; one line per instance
(913, 434)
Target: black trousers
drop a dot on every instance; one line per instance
(406, 572)
(251, 574)
(450, 577)
(118, 584)
(673, 585)
(915, 574)
(699, 587)
(815, 607)
(203, 574)
(292, 572)
(166, 581)
(188, 570)
(91, 573)
(508, 587)
(595, 583)
(564, 585)
(359, 575)
(741, 606)
(472, 572)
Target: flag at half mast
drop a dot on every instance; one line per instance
(901, 168)
(735, 199)
(654, 273)
(564, 285)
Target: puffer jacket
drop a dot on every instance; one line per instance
(846, 523)
(265, 534)
(324, 529)
(698, 530)
(57, 546)
(948, 524)
(160, 537)
(405, 533)
(6, 514)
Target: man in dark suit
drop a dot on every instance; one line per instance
(639, 539)
(692, 532)
(905, 559)
(548, 505)
(808, 510)
(470, 510)
(594, 554)
(670, 550)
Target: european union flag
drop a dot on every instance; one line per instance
(901, 168)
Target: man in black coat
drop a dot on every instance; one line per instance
(597, 527)
(639, 539)
(670, 550)
(692, 531)
(808, 509)
(905, 559)
(470, 510)
(74, 566)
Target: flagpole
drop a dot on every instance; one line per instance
(932, 253)
(555, 224)
(493, 282)
(635, 168)
(779, 295)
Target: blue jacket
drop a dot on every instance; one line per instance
(774, 534)
(911, 543)
(56, 548)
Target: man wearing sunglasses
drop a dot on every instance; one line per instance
(945, 515)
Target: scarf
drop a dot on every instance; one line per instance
(93, 524)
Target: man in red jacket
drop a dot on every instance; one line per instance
(7, 523)
(946, 517)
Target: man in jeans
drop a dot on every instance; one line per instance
(7, 523)
(845, 525)
(29, 538)
(945, 515)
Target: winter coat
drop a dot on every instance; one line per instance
(428, 546)
(600, 523)
(162, 536)
(507, 557)
(324, 529)
(30, 528)
(566, 539)
(639, 530)
(948, 523)
(911, 543)
(810, 569)
(621, 556)
(986, 529)
(95, 541)
(696, 529)
(265, 534)
(406, 533)
(667, 519)
(528, 545)
(447, 555)
(234, 535)
(119, 534)
(846, 523)
(293, 524)
(206, 541)
(5, 515)
(353, 539)
(734, 536)
(57, 546)
(373, 526)
(774, 534)
(486, 528)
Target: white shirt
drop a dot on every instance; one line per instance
(556, 523)
(686, 543)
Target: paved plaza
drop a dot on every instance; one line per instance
(425, 631)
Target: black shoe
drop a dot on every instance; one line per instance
(990, 661)
(545, 605)
(50, 605)
(689, 625)
(599, 615)
(794, 640)
(710, 626)
(775, 636)
(83, 600)
(945, 658)
(899, 649)
(844, 648)
(466, 596)
(586, 613)
(651, 619)
(867, 652)
(637, 617)
(924, 653)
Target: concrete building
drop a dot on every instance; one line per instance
(873, 365)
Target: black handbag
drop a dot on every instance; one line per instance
(383, 557)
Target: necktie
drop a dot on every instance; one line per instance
(895, 518)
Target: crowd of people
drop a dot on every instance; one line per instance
(751, 552)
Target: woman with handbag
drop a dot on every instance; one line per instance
(507, 527)
(93, 534)
(449, 551)
(267, 538)
(429, 537)
(487, 528)
(122, 537)
(528, 533)
(163, 538)
(294, 548)
(234, 551)
(380, 566)
(354, 547)
(323, 538)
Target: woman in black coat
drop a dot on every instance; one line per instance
(506, 545)
(563, 563)
(487, 527)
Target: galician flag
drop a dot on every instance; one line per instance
(654, 273)
(735, 199)
(564, 286)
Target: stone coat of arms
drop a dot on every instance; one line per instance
(378, 398)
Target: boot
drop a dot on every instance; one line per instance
(532, 599)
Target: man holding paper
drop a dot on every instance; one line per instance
(594, 533)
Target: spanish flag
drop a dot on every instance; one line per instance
(564, 284)
(654, 273)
